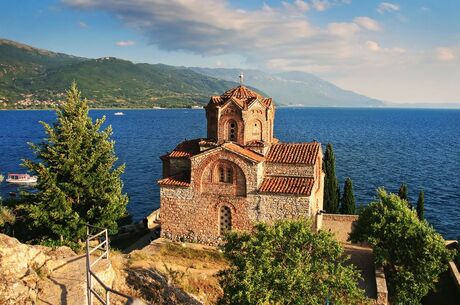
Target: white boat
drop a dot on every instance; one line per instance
(119, 113)
(21, 179)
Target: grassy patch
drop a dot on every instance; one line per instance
(192, 268)
(179, 251)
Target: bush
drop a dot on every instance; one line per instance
(287, 263)
(411, 251)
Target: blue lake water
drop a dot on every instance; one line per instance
(374, 147)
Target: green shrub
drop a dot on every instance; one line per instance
(411, 251)
(287, 263)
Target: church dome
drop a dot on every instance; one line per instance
(242, 95)
(241, 92)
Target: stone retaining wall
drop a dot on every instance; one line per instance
(381, 284)
(454, 272)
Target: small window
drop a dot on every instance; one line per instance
(221, 175)
(229, 175)
(225, 220)
(226, 174)
(232, 131)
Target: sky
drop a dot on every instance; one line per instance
(396, 51)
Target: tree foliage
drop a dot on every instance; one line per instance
(421, 205)
(411, 251)
(287, 263)
(348, 199)
(403, 193)
(77, 180)
(331, 185)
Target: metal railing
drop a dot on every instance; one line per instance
(101, 239)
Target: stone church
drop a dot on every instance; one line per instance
(240, 174)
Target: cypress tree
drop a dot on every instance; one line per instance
(348, 200)
(403, 194)
(331, 185)
(421, 205)
(78, 182)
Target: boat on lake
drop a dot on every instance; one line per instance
(119, 113)
(21, 179)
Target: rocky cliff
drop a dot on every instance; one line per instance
(22, 267)
(31, 274)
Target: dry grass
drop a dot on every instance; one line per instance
(193, 268)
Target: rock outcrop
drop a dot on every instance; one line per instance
(23, 266)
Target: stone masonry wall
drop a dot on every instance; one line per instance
(269, 208)
(292, 170)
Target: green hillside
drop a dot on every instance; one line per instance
(33, 78)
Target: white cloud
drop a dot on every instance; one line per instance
(320, 5)
(342, 28)
(280, 37)
(373, 46)
(387, 7)
(301, 5)
(125, 43)
(82, 24)
(284, 38)
(445, 54)
(296, 6)
(367, 23)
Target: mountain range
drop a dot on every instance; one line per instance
(36, 78)
(295, 88)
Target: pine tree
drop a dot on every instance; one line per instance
(331, 185)
(421, 205)
(77, 180)
(403, 194)
(348, 200)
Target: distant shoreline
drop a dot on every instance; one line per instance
(284, 107)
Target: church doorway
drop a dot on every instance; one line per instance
(225, 217)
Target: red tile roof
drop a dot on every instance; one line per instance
(242, 96)
(256, 143)
(294, 153)
(185, 149)
(174, 181)
(241, 92)
(287, 185)
(242, 151)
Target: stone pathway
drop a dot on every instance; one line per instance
(67, 284)
(144, 240)
(363, 258)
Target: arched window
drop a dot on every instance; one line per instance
(225, 220)
(232, 131)
(225, 173)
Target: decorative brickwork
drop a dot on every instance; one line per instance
(239, 175)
